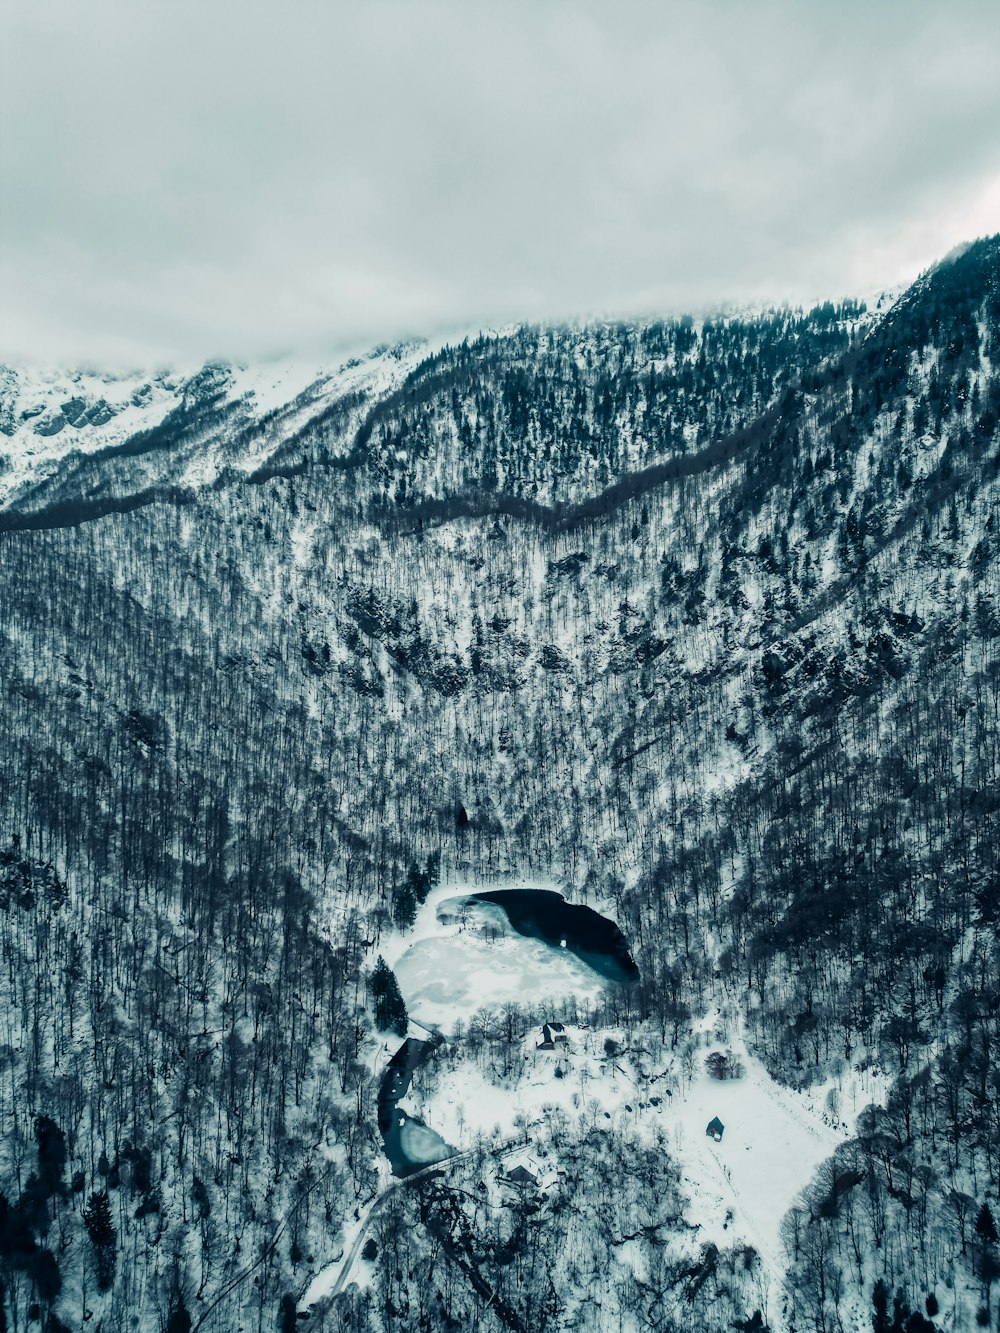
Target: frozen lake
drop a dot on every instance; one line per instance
(485, 950)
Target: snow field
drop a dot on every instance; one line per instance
(287, 388)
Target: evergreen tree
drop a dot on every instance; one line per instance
(287, 1317)
(180, 1320)
(404, 906)
(900, 1312)
(986, 1227)
(433, 870)
(420, 882)
(390, 1009)
(51, 1153)
(880, 1300)
(101, 1230)
(48, 1279)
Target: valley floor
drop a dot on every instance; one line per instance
(738, 1188)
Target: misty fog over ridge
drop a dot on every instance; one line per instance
(187, 181)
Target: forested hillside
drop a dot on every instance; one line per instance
(699, 620)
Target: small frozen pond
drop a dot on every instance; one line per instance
(409, 1144)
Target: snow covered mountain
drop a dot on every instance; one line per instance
(81, 443)
(546, 413)
(697, 621)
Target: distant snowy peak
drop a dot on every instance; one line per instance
(42, 404)
(53, 422)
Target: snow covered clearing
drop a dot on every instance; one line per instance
(464, 1102)
(772, 1144)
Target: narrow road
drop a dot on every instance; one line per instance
(252, 1267)
(350, 1258)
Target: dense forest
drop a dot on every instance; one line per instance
(698, 619)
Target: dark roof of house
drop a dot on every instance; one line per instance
(715, 1126)
(520, 1175)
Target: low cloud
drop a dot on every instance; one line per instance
(244, 179)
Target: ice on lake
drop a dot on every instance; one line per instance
(420, 1144)
(445, 978)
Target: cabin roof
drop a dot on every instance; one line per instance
(520, 1175)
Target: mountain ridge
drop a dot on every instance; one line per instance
(413, 388)
(750, 713)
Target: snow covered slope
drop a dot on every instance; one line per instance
(701, 621)
(46, 415)
(80, 435)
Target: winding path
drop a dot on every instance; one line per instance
(321, 1303)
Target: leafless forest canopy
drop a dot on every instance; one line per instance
(700, 619)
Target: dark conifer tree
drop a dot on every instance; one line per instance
(101, 1230)
(390, 1009)
(180, 1319)
(986, 1227)
(287, 1316)
(51, 1153)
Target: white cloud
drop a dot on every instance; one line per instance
(227, 178)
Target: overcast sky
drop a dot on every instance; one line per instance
(239, 179)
